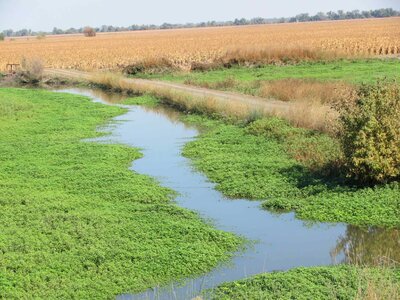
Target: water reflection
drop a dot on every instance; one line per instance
(107, 97)
(368, 246)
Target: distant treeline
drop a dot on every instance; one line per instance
(339, 15)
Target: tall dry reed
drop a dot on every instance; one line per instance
(303, 90)
(301, 114)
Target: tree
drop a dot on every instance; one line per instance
(341, 15)
(319, 17)
(8, 32)
(303, 17)
(257, 21)
(57, 31)
(89, 32)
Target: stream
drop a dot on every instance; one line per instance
(281, 242)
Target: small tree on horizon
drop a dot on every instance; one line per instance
(89, 32)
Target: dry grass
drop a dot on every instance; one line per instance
(228, 83)
(312, 115)
(303, 90)
(301, 114)
(182, 100)
(31, 71)
(258, 56)
(183, 47)
(251, 56)
(312, 101)
(379, 286)
(151, 65)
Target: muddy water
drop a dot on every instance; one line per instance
(282, 241)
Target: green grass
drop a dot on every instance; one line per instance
(341, 282)
(75, 222)
(247, 79)
(146, 100)
(245, 163)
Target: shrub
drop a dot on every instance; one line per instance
(370, 132)
(89, 32)
(153, 65)
(31, 71)
(2, 37)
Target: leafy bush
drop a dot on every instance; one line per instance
(2, 37)
(370, 132)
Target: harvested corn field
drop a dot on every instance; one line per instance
(183, 47)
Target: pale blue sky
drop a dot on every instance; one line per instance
(46, 14)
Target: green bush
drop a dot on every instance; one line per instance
(2, 37)
(370, 132)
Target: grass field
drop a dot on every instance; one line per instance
(75, 222)
(183, 47)
(267, 160)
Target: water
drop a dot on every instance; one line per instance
(282, 241)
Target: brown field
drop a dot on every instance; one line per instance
(184, 46)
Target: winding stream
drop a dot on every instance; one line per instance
(282, 241)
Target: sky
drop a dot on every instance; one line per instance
(43, 15)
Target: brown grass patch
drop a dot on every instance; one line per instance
(378, 286)
(315, 116)
(303, 90)
(183, 100)
(255, 56)
(152, 65)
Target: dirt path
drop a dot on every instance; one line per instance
(266, 104)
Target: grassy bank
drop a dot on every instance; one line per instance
(253, 80)
(318, 116)
(342, 282)
(354, 71)
(75, 221)
(270, 160)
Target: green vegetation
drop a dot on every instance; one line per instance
(247, 80)
(75, 221)
(146, 100)
(257, 161)
(341, 282)
(370, 132)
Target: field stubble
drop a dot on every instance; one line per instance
(187, 46)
